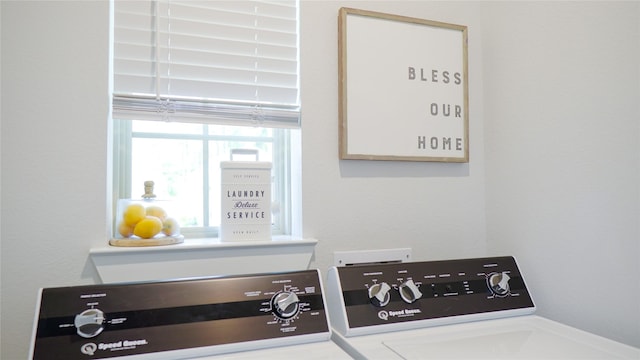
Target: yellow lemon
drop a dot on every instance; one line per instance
(157, 211)
(133, 214)
(148, 227)
(170, 227)
(125, 230)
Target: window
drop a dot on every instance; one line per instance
(194, 79)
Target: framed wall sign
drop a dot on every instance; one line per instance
(403, 88)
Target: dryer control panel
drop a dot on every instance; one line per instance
(388, 297)
(183, 318)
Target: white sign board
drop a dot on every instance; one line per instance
(403, 88)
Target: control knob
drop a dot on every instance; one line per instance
(89, 323)
(409, 291)
(499, 283)
(379, 294)
(285, 305)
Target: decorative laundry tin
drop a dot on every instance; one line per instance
(245, 199)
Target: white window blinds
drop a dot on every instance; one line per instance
(231, 62)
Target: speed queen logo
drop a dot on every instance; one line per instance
(88, 348)
(385, 315)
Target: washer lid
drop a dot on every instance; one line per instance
(525, 337)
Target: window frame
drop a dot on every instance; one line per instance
(281, 173)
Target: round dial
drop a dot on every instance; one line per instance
(89, 323)
(285, 305)
(379, 294)
(499, 283)
(409, 291)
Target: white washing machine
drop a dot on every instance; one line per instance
(453, 309)
(262, 316)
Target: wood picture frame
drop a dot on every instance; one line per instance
(403, 88)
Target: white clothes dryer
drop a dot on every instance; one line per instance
(453, 309)
(276, 315)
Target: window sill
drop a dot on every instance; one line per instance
(201, 257)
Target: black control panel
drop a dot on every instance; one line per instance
(379, 295)
(113, 320)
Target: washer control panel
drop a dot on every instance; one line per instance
(113, 320)
(426, 293)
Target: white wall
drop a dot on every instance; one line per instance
(554, 106)
(437, 209)
(54, 152)
(0, 179)
(54, 155)
(561, 85)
